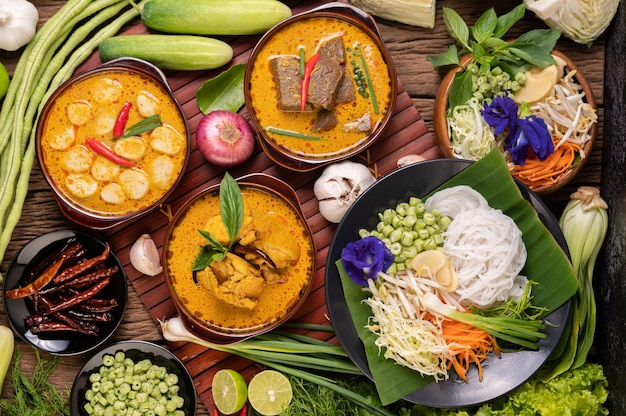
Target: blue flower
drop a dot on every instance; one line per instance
(501, 113)
(530, 132)
(365, 258)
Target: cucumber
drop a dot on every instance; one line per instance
(213, 17)
(176, 52)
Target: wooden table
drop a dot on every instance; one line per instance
(409, 47)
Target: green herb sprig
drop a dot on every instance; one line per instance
(144, 126)
(484, 41)
(231, 210)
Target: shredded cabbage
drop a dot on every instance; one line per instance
(583, 21)
(470, 135)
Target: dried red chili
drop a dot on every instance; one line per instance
(122, 119)
(304, 83)
(103, 150)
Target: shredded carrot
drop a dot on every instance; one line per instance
(467, 345)
(535, 172)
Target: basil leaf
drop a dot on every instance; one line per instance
(206, 256)
(506, 21)
(485, 25)
(212, 240)
(224, 92)
(231, 206)
(451, 57)
(544, 38)
(532, 54)
(456, 27)
(460, 89)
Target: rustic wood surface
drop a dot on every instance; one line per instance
(409, 47)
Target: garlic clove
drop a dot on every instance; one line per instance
(144, 256)
(409, 159)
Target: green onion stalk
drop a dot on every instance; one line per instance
(65, 41)
(584, 223)
(288, 352)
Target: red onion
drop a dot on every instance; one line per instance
(225, 138)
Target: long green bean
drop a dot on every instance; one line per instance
(63, 43)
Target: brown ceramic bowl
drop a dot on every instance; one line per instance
(91, 189)
(276, 105)
(440, 124)
(210, 316)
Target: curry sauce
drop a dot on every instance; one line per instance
(276, 300)
(307, 34)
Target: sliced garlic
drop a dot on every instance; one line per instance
(339, 186)
(144, 256)
(435, 265)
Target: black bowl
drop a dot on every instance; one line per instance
(137, 351)
(62, 343)
(500, 375)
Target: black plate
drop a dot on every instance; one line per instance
(18, 309)
(137, 351)
(500, 375)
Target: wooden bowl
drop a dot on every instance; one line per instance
(128, 78)
(440, 124)
(332, 144)
(211, 317)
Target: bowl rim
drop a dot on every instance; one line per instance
(366, 23)
(23, 259)
(264, 182)
(69, 208)
(440, 126)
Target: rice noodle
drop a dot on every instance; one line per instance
(485, 247)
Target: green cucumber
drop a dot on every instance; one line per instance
(176, 52)
(213, 17)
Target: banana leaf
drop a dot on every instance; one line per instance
(547, 264)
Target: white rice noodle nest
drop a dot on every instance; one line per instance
(485, 247)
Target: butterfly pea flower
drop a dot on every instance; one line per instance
(365, 258)
(524, 133)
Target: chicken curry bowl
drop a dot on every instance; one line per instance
(320, 87)
(230, 281)
(113, 142)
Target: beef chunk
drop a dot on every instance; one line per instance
(286, 71)
(331, 47)
(346, 91)
(325, 120)
(324, 83)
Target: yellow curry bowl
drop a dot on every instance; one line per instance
(335, 58)
(112, 143)
(264, 278)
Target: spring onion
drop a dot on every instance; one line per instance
(289, 353)
(584, 222)
(522, 332)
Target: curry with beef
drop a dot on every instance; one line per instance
(260, 280)
(342, 75)
(100, 171)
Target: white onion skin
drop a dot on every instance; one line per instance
(225, 138)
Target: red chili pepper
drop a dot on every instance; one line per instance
(304, 83)
(104, 150)
(122, 118)
(215, 412)
(243, 411)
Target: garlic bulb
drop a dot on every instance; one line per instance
(18, 23)
(144, 256)
(339, 186)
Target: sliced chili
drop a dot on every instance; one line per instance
(304, 83)
(103, 150)
(122, 119)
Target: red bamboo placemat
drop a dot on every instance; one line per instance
(407, 133)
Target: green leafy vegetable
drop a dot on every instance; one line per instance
(231, 210)
(143, 126)
(224, 92)
(488, 49)
(35, 395)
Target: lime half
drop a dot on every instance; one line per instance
(269, 392)
(229, 391)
